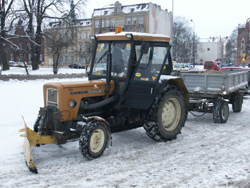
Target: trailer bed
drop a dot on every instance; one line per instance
(214, 83)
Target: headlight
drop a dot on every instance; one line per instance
(72, 103)
(52, 97)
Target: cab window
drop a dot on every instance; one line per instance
(150, 64)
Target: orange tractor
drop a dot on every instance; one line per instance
(129, 86)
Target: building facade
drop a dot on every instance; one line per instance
(243, 45)
(76, 44)
(209, 50)
(133, 18)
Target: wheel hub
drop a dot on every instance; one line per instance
(97, 141)
(171, 114)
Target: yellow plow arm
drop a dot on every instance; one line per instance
(31, 138)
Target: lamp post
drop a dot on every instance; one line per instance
(172, 21)
(193, 49)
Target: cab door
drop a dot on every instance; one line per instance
(144, 83)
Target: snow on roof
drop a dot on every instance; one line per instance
(136, 36)
(133, 33)
(80, 22)
(125, 9)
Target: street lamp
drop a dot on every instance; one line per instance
(172, 34)
(193, 49)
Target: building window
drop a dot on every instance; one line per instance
(81, 60)
(60, 60)
(66, 60)
(66, 49)
(141, 29)
(242, 46)
(113, 24)
(72, 48)
(107, 22)
(86, 34)
(117, 22)
(134, 29)
(105, 12)
(132, 10)
(41, 57)
(117, 10)
(141, 20)
(80, 47)
(103, 23)
(128, 21)
(80, 35)
(122, 22)
(97, 23)
(134, 20)
(13, 58)
(72, 59)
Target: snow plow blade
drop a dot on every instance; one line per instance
(31, 138)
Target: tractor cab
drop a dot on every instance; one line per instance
(135, 62)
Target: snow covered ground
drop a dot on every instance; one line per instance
(41, 71)
(205, 155)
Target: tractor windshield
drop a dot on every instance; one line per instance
(119, 54)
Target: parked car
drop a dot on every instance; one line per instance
(76, 66)
(13, 64)
(211, 65)
(16, 64)
(181, 67)
(20, 64)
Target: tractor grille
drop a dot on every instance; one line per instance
(52, 97)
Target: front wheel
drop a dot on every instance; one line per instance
(220, 111)
(94, 139)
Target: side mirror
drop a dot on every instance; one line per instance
(144, 48)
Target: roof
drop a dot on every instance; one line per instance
(136, 36)
(77, 22)
(126, 9)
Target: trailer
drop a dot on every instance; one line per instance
(212, 91)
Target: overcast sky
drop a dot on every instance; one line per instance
(212, 18)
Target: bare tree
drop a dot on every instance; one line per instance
(5, 14)
(183, 40)
(58, 39)
(231, 47)
(37, 11)
(63, 35)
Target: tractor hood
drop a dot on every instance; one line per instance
(61, 94)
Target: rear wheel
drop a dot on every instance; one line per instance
(94, 139)
(171, 114)
(220, 111)
(237, 102)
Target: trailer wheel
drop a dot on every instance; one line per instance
(237, 102)
(220, 111)
(171, 114)
(94, 139)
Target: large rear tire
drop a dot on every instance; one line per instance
(171, 114)
(94, 139)
(220, 111)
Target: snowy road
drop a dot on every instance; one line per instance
(205, 155)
